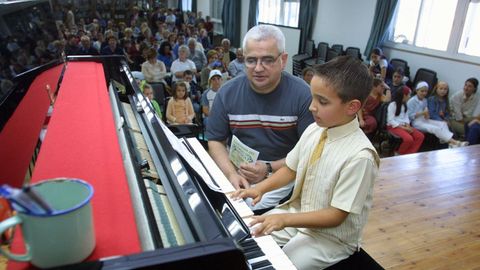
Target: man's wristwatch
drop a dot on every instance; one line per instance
(269, 169)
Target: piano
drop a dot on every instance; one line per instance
(154, 207)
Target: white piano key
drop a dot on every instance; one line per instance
(241, 207)
(274, 253)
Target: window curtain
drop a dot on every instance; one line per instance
(308, 10)
(180, 5)
(384, 11)
(194, 6)
(231, 13)
(253, 13)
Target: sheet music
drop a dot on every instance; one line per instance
(194, 163)
(241, 153)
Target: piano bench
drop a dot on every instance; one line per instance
(357, 261)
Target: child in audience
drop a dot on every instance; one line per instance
(398, 123)
(420, 117)
(380, 93)
(397, 82)
(333, 189)
(379, 66)
(307, 74)
(214, 83)
(438, 105)
(180, 108)
(148, 92)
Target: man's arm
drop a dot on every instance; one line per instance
(218, 152)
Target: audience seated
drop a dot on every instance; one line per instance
(182, 64)
(180, 108)
(379, 65)
(397, 83)
(465, 106)
(307, 74)
(366, 116)
(237, 66)
(214, 83)
(197, 56)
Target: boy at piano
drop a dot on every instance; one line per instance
(334, 166)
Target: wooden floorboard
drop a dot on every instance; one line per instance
(426, 211)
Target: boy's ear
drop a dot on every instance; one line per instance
(353, 107)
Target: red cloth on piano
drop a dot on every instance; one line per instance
(20, 134)
(81, 142)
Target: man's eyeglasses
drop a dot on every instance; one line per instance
(266, 61)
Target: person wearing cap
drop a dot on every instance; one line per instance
(267, 109)
(417, 110)
(398, 124)
(465, 106)
(366, 116)
(214, 83)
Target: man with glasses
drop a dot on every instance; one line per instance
(266, 108)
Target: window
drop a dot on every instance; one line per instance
(216, 7)
(186, 5)
(434, 24)
(432, 27)
(470, 41)
(280, 12)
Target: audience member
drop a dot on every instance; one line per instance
(420, 118)
(472, 131)
(112, 47)
(213, 63)
(397, 82)
(438, 104)
(237, 66)
(196, 55)
(148, 92)
(366, 116)
(155, 72)
(379, 66)
(182, 64)
(334, 166)
(398, 123)
(180, 108)
(194, 91)
(86, 47)
(267, 110)
(165, 54)
(214, 83)
(228, 55)
(307, 74)
(463, 105)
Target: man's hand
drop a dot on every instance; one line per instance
(253, 193)
(238, 181)
(254, 173)
(264, 225)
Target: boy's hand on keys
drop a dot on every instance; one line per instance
(253, 193)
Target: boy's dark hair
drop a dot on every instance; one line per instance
(348, 76)
(377, 82)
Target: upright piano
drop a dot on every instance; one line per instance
(160, 202)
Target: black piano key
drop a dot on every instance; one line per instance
(254, 254)
(261, 264)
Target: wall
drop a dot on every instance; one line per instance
(345, 22)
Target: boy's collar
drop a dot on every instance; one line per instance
(343, 130)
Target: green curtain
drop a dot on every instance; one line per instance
(308, 9)
(253, 13)
(384, 11)
(231, 13)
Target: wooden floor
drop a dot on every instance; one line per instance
(426, 211)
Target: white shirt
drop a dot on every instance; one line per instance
(178, 65)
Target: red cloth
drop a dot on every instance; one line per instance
(81, 142)
(27, 119)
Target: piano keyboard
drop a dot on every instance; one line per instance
(261, 252)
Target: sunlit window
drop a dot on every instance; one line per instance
(426, 23)
(186, 5)
(280, 12)
(470, 41)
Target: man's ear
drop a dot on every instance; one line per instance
(353, 107)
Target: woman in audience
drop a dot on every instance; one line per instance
(464, 104)
(212, 63)
(379, 66)
(182, 64)
(399, 124)
(420, 117)
(165, 54)
(155, 72)
(180, 108)
(380, 93)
